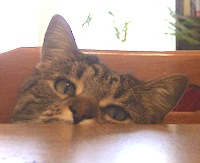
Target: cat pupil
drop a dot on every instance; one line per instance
(64, 86)
(116, 112)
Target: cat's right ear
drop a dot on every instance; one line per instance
(59, 41)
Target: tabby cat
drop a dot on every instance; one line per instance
(73, 88)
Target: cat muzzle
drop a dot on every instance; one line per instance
(83, 108)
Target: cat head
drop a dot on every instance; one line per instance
(71, 87)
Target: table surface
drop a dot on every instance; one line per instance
(33, 143)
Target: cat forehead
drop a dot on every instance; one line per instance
(90, 77)
(88, 68)
(66, 60)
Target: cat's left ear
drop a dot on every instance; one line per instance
(59, 40)
(160, 96)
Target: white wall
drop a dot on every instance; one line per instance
(19, 24)
(24, 22)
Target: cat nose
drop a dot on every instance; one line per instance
(83, 108)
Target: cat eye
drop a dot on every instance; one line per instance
(64, 86)
(116, 112)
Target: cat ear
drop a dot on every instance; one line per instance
(59, 40)
(159, 97)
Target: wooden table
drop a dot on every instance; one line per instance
(34, 143)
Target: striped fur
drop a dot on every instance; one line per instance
(71, 87)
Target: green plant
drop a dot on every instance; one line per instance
(88, 20)
(181, 28)
(121, 34)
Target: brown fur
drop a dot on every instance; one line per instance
(71, 87)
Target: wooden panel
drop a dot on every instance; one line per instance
(183, 118)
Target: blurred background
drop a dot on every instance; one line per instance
(136, 25)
